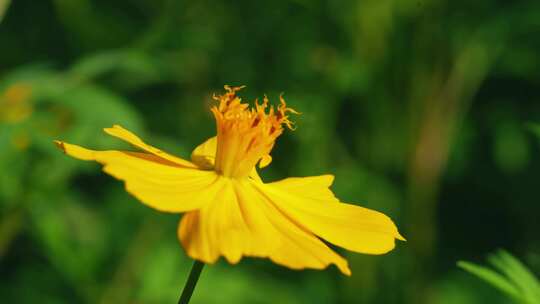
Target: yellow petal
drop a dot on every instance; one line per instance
(349, 226)
(204, 155)
(241, 222)
(229, 226)
(314, 187)
(123, 134)
(298, 248)
(156, 182)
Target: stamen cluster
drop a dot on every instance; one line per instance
(245, 134)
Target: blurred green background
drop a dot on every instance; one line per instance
(421, 108)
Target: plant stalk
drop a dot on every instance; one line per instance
(191, 282)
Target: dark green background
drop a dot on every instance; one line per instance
(421, 108)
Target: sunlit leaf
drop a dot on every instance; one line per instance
(491, 277)
(512, 278)
(535, 128)
(4, 4)
(522, 277)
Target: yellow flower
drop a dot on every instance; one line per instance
(229, 210)
(15, 103)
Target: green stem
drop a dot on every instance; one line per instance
(191, 282)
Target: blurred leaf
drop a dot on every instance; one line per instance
(10, 225)
(491, 277)
(141, 67)
(162, 275)
(14, 164)
(94, 107)
(4, 4)
(71, 237)
(460, 287)
(511, 147)
(242, 287)
(535, 128)
(524, 279)
(517, 282)
(43, 80)
(90, 25)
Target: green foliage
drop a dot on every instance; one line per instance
(535, 128)
(4, 4)
(509, 276)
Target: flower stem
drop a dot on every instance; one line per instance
(191, 282)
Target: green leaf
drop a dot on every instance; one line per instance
(141, 67)
(525, 281)
(535, 128)
(96, 107)
(514, 278)
(491, 277)
(4, 4)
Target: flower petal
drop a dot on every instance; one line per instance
(226, 227)
(298, 248)
(314, 187)
(204, 155)
(123, 134)
(241, 222)
(352, 227)
(159, 183)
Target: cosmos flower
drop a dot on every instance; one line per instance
(229, 210)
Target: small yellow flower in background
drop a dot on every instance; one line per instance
(15, 103)
(21, 141)
(229, 210)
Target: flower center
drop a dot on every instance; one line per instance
(246, 135)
